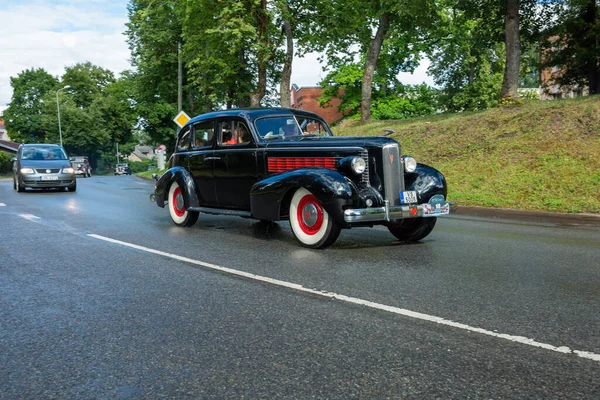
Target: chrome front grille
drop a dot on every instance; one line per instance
(365, 175)
(45, 170)
(393, 174)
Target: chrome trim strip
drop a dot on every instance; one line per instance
(388, 213)
(221, 211)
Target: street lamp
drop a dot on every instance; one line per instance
(58, 108)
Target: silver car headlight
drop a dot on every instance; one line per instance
(358, 165)
(410, 164)
(27, 171)
(68, 170)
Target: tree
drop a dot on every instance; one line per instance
(154, 34)
(87, 82)
(510, 83)
(367, 30)
(24, 116)
(573, 43)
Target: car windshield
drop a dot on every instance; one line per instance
(278, 127)
(43, 153)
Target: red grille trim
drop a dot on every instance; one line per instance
(282, 164)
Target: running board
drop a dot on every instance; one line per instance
(221, 211)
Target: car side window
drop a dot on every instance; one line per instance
(204, 133)
(185, 138)
(234, 132)
(311, 126)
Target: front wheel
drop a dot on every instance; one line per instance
(310, 223)
(412, 230)
(17, 186)
(179, 214)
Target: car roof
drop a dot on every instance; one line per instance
(252, 114)
(40, 145)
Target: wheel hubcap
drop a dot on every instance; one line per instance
(178, 202)
(310, 215)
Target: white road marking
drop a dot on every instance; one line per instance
(29, 217)
(354, 300)
(2, 205)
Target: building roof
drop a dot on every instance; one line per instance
(9, 146)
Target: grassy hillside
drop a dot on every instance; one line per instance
(535, 156)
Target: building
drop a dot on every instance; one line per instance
(7, 146)
(550, 90)
(141, 153)
(3, 133)
(307, 98)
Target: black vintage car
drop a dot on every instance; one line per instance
(275, 163)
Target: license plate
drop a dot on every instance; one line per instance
(48, 178)
(408, 197)
(434, 210)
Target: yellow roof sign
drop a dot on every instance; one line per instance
(181, 119)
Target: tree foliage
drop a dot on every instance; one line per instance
(24, 117)
(573, 44)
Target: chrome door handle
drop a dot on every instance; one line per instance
(212, 158)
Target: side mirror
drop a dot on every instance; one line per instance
(13, 159)
(154, 176)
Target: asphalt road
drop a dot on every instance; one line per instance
(231, 308)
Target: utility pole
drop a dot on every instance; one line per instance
(179, 79)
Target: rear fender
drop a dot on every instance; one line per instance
(186, 183)
(269, 198)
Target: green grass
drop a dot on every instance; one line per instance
(148, 174)
(535, 156)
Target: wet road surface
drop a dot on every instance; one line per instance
(103, 297)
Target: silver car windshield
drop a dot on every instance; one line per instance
(43, 153)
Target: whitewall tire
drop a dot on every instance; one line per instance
(310, 223)
(179, 214)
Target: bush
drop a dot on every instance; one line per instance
(5, 163)
(141, 166)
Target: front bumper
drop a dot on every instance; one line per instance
(35, 181)
(388, 213)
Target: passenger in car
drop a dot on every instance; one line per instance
(239, 136)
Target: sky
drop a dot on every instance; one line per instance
(55, 34)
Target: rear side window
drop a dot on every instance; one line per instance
(234, 132)
(185, 139)
(204, 133)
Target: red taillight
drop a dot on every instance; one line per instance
(282, 164)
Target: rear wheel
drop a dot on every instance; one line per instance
(412, 230)
(310, 223)
(179, 214)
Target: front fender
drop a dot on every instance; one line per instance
(427, 182)
(270, 197)
(186, 183)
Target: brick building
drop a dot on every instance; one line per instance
(550, 90)
(307, 98)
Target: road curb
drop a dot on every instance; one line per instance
(530, 216)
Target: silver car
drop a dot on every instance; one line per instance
(43, 166)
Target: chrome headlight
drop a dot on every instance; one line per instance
(358, 165)
(68, 170)
(27, 171)
(410, 164)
